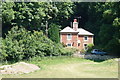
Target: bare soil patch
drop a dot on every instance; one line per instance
(18, 68)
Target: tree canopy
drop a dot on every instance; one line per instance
(102, 19)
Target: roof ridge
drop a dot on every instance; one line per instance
(80, 31)
(84, 32)
(68, 29)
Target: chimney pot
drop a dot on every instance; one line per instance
(75, 25)
(75, 20)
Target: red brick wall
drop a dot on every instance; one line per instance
(82, 41)
(74, 39)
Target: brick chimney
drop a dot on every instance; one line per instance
(75, 25)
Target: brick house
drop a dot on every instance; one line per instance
(76, 37)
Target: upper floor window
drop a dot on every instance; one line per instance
(69, 36)
(85, 38)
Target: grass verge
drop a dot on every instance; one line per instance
(70, 67)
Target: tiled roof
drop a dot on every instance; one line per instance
(80, 31)
(83, 32)
(68, 29)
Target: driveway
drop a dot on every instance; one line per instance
(93, 56)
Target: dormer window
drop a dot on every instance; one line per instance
(85, 38)
(69, 36)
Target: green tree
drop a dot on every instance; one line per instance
(54, 33)
(102, 19)
(32, 15)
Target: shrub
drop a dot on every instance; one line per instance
(3, 54)
(68, 51)
(21, 44)
(13, 45)
(64, 45)
(90, 47)
(83, 51)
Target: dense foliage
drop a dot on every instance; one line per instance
(33, 15)
(54, 33)
(102, 19)
(21, 44)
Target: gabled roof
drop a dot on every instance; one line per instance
(83, 32)
(68, 29)
(80, 31)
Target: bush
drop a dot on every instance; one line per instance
(64, 45)
(21, 44)
(90, 47)
(3, 54)
(83, 51)
(68, 51)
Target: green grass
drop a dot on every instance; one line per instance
(71, 67)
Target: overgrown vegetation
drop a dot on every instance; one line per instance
(21, 44)
(90, 47)
(102, 19)
(53, 32)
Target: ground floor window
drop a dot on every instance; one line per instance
(69, 45)
(78, 44)
(85, 46)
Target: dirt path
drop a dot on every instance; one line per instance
(18, 68)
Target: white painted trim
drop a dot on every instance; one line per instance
(67, 36)
(78, 41)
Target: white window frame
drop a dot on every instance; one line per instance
(70, 35)
(69, 43)
(84, 38)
